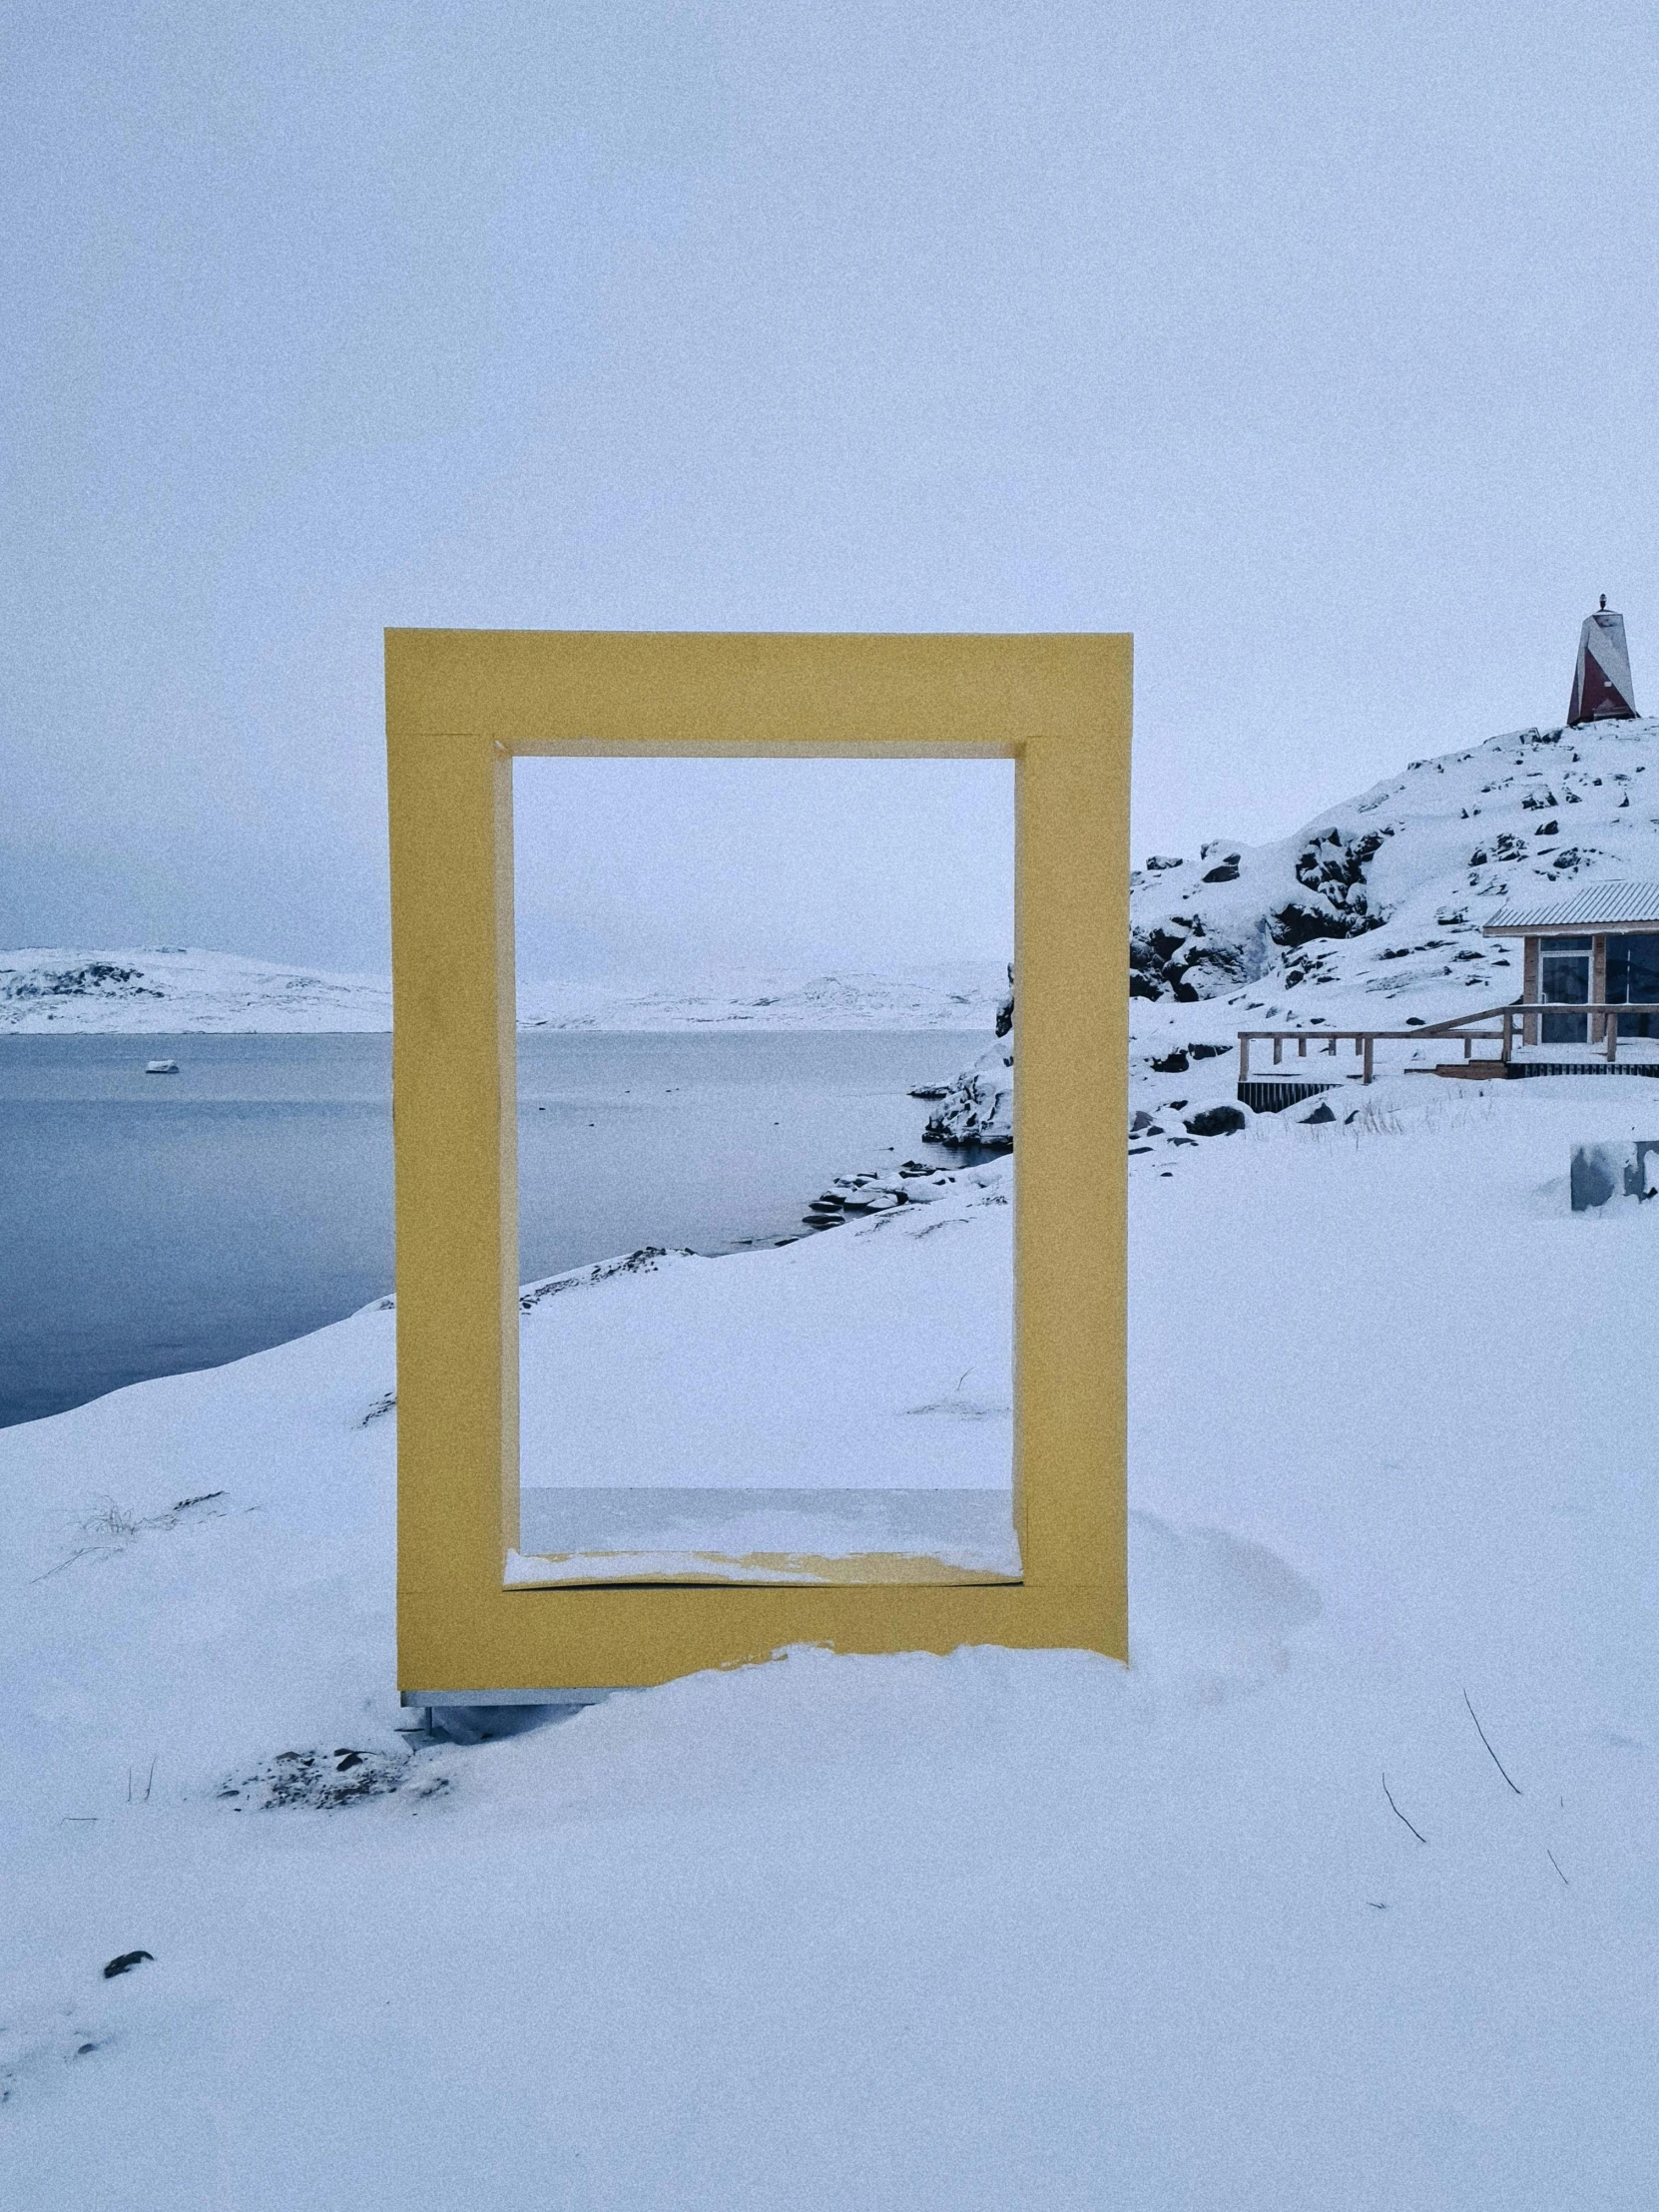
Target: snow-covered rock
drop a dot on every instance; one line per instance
(978, 1107)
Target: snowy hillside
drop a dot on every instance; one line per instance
(171, 991)
(1370, 916)
(1381, 898)
(1342, 1895)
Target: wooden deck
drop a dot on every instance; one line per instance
(1515, 1034)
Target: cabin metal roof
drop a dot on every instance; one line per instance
(1598, 905)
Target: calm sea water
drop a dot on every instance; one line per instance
(155, 1222)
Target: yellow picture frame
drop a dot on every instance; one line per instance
(461, 706)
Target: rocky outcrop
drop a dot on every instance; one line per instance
(978, 1108)
(1216, 1121)
(1178, 957)
(92, 980)
(1331, 868)
(914, 1183)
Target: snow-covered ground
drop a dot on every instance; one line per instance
(1344, 1892)
(171, 991)
(999, 1928)
(637, 1385)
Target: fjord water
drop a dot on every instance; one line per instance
(151, 1224)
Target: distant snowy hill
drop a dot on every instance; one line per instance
(169, 991)
(166, 990)
(962, 996)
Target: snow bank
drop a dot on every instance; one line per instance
(994, 1929)
(879, 1354)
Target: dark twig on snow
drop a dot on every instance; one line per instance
(1557, 1863)
(1399, 1815)
(1497, 1761)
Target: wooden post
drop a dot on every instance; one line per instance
(1366, 1078)
(1243, 1055)
(1529, 989)
(1278, 1048)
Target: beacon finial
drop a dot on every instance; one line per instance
(1601, 686)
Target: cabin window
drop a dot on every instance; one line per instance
(1564, 980)
(1633, 979)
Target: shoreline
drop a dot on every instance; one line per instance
(246, 1200)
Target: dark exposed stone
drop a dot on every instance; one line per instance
(98, 979)
(125, 1963)
(1294, 923)
(1177, 959)
(1332, 869)
(1217, 1121)
(325, 1782)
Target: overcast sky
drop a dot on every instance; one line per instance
(1314, 346)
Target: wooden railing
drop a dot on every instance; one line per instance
(1517, 1022)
